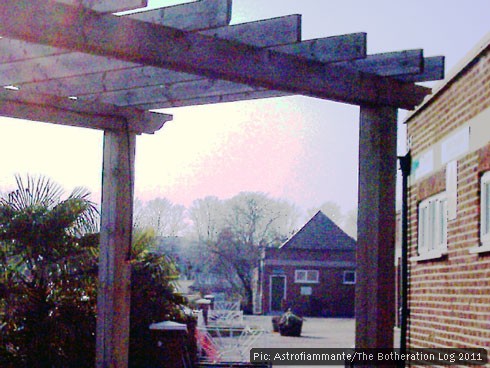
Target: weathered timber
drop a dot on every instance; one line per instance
(230, 97)
(433, 70)
(92, 114)
(390, 63)
(108, 6)
(94, 86)
(155, 45)
(198, 15)
(263, 33)
(113, 297)
(329, 49)
(115, 81)
(375, 282)
(58, 66)
(13, 50)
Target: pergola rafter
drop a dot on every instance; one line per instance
(73, 62)
(252, 56)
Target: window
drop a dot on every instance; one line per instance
(349, 277)
(433, 227)
(306, 276)
(485, 210)
(484, 245)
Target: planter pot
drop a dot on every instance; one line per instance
(290, 325)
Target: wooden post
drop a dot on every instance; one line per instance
(113, 304)
(375, 289)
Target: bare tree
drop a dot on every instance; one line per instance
(253, 220)
(207, 216)
(236, 260)
(257, 219)
(164, 217)
(138, 213)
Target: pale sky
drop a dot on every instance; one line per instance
(295, 148)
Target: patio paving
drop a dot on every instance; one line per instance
(316, 333)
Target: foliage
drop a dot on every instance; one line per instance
(248, 223)
(152, 296)
(48, 280)
(48, 271)
(236, 261)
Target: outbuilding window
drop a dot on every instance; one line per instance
(432, 240)
(306, 276)
(349, 277)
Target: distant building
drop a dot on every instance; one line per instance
(313, 273)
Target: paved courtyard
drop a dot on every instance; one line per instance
(316, 333)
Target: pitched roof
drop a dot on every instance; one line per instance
(320, 233)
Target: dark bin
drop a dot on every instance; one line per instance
(170, 345)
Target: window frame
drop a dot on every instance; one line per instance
(306, 279)
(432, 227)
(347, 282)
(484, 231)
(485, 209)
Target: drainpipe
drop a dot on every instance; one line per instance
(405, 165)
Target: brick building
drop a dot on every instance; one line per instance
(313, 272)
(449, 210)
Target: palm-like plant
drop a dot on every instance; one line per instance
(153, 297)
(48, 280)
(48, 269)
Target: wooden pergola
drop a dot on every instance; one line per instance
(74, 62)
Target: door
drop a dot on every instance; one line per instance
(277, 292)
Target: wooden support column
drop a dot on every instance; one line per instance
(375, 289)
(113, 304)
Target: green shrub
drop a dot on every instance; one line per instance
(48, 280)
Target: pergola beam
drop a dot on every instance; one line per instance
(76, 74)
(433, 70)
(150, 87)
(155, 45)
(108, 6)
(198, 15)
(390, 63)
(329, 49)
(93, 114)
(229, 97)
(57, 66)
(263, 33)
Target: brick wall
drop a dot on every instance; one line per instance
(449, 297)
(330, 297)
